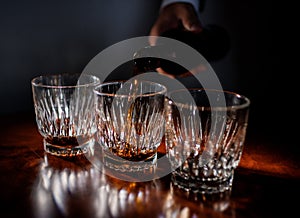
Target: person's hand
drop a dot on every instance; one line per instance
(175, 15)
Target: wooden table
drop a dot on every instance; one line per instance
(34, 184)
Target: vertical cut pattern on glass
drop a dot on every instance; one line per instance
(130, 120)
(204, 142)
(65, 112)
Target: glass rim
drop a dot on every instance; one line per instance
(35, 83)
(99, 93)
(243, 105)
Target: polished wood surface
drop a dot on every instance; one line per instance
(34, 184)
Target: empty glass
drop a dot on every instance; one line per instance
(205, 133)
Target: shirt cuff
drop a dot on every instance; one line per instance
(195, 3)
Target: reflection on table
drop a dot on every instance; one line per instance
(35, 184)
(72, 188)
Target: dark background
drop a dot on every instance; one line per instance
(38, 37)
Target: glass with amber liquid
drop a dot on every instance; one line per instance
(64, 108)
(130, 123)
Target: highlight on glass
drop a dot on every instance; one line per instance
(205, 135)
(65, 112)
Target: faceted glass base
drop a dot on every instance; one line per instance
(69, 150)
(202, 185)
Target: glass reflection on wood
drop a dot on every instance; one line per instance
(74, 187)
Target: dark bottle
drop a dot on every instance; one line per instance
(212, 43)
